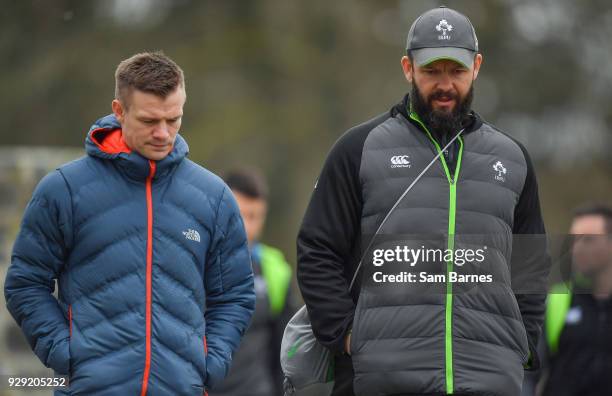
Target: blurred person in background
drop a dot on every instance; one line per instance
(155, 287)
(434, 343)
(578, 336)
(255, 367)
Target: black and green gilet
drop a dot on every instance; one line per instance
(427, 341)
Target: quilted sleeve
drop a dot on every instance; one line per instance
(37, 260)
(230, 294)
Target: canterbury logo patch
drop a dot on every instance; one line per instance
(400, 161)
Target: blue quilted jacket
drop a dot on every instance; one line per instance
(154, 277)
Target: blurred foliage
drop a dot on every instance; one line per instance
(274, 83)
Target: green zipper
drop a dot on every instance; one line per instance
(448, 317)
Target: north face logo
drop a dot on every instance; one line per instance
(444, 27)
(501, 171)
(192, 235)
(400, 161)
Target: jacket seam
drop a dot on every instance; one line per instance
(220, 229)
(522, 164)
(217, 214)
(107, 319)
(191, 362)
(121, 237)
(104, 286)
(71, 211)
(521, 354)
(188, 326)
(112, 352)
(491, 313)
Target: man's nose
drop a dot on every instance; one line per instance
(161, 131)
(445, 82)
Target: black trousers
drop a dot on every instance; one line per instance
(343, 379)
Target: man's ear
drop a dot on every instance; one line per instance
(407, 68)
(477, 63)
(118, 110)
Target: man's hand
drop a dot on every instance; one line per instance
(347, 343)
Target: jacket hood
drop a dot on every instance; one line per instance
(105, 140)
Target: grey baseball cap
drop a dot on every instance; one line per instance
(442, 33)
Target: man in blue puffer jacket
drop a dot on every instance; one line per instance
(148, 249)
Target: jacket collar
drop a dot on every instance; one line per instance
(105, 140)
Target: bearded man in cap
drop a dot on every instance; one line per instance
(446, 338)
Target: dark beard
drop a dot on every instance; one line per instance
(441, 123)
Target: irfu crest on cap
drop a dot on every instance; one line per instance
(444, 27)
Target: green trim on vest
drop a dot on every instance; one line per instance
(557, 305)
(277, 274)
(452, 212)
(331, 370)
